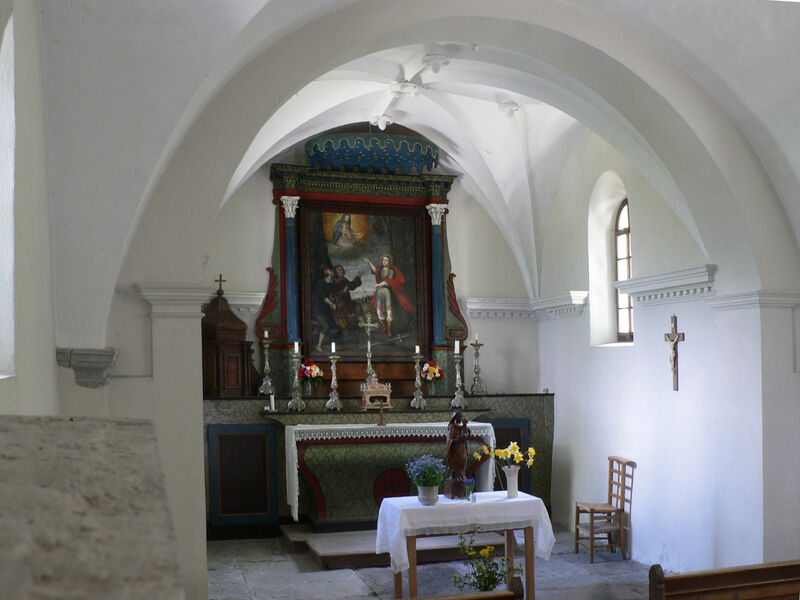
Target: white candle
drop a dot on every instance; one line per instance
(416, 349)
(458, 347)
(297, 347)
(266, 333)
(333, 347)
(476, 337)
(272, 402)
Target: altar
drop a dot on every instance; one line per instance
(364, 447)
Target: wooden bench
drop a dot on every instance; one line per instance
(770, 581)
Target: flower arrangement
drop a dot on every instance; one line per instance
(431, 370)
(485, 571)
(309, 371)
(426, 471)
(509, 456)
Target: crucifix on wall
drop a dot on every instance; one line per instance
(672, 338)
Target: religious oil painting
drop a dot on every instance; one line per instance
(362, 270)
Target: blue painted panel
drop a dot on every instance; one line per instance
(437, 286)
(292, 283)
(216, 442)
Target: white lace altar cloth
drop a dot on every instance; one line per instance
(484, 476)
(493, 511)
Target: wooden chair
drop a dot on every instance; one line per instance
(608, 523)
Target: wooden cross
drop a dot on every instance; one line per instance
(220, 281)
(673, 337)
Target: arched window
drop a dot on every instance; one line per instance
(622, 239)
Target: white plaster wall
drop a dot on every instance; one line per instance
(781, 417)
(7, 142)
(694, 447)
(35, 330)
(660, 242)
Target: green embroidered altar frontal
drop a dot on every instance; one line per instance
(348, 473)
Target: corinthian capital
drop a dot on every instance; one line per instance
(436, 211)
(290, 205)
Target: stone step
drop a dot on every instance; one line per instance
(354, 549)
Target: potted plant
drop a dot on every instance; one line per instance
(510, 459)
(485, 569)
(427, 473)
(309, 374)
(431, 372)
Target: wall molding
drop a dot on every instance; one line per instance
(756, 299)
(245, 303)
(176, 300)
(92, 366)
(558, 306)
(674, 286)
(499, 308)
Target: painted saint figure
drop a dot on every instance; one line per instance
(457, 435)
(343, 233)
(346, 311)
(389, 290)
(323, 305)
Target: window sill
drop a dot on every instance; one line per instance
(615, 345)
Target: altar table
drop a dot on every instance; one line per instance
(298, 437)
(401, 520)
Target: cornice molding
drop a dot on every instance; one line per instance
(568, 304)
(674, 286)
(756, 299)
(91, 365)
(499, 308)
(245, 303)
(559, 306)
(176, 300)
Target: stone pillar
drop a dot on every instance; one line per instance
(437, 212)
(292, 282)
(178, 416)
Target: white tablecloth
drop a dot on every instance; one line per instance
(493, 511)
(297, 433)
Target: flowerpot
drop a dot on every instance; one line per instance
(431, 387)
(512, 481)
(306, 388)
(428, 495)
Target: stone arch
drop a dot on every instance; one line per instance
(711, 174)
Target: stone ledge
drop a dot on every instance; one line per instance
(91, 365)
(84, 511)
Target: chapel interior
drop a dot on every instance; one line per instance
(196, 197)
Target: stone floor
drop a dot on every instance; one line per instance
(261, 569)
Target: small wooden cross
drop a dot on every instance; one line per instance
(220, 281)
(673, 337)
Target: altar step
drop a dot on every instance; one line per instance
(356, 549)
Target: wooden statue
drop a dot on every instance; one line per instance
(457, 434)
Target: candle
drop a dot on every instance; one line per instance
(416, 349)
(476, 337)
(297, 347)
(272, 402)
(458, 347)
(333, 347)
(266, 334)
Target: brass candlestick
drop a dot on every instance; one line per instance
(334, 403)
(296, 403)
(458, 399)
(418, 401)
(478, 387)
(266, 387)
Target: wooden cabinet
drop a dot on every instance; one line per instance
(242, 465)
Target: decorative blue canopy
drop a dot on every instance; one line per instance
(372, 152)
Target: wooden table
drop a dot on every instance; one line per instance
(402, 520)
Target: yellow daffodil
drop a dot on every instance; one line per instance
(485, 552)
(476, 455)
(490, 548)
(531, 452)
(485, 449)
(506, 453)
(471, 553)
(518, 457)
(529, 462)
(513, 447)
(498, 453)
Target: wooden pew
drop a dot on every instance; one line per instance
(770, 581)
